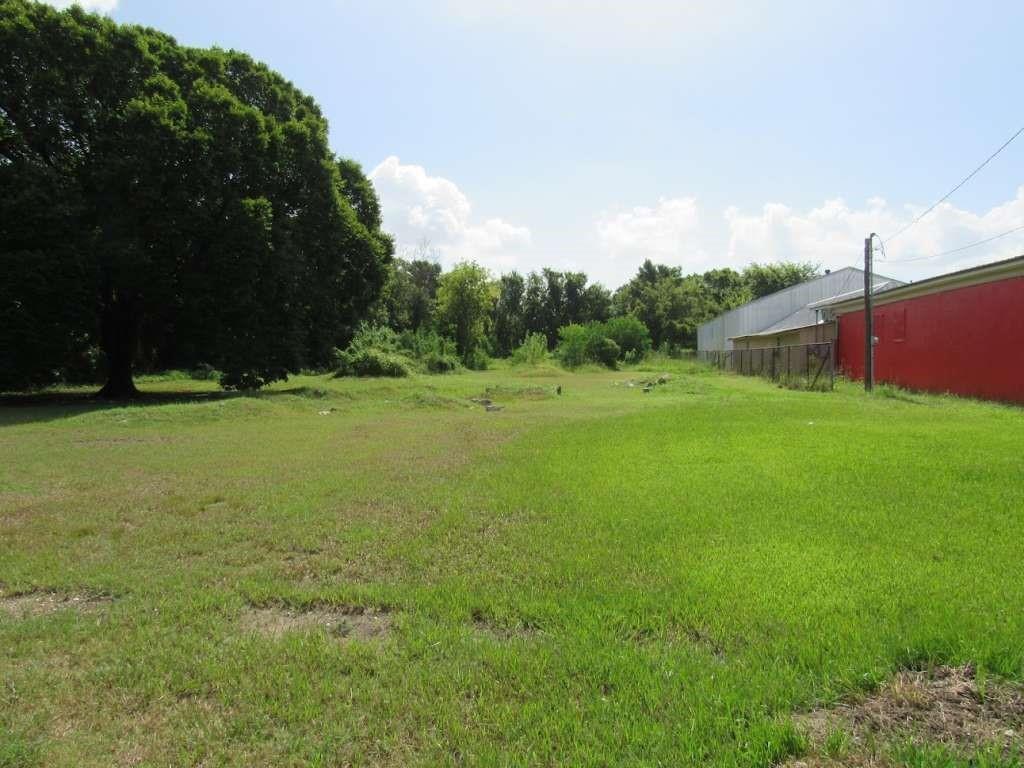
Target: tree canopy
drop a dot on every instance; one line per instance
(464, 301)
(168, 206)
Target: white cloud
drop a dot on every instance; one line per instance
(832, 235)
(679, 231)
(101, 6)
(670, 232)
(417, 205)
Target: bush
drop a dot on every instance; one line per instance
(581, 344)
(440, 362)
(370, 361)
(477, 360)
(630, 333)
(533, 350)
(204, 372)
(378, 351)
(435, 353)
(572, 345)
(605, 351)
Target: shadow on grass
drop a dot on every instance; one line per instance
(28, 407)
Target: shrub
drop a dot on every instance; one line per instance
(533, 350)
(477, 360)
(370, 361)
(604, 350)
(581, 344)
(630, 333)
(378, 351)
(204, 372)
(374, 351)
(435, 353)
(440, 362)
(572, 345)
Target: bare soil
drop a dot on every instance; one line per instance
(341, 622)
(946, 705)
(43, 603)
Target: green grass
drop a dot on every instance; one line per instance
(604, 577)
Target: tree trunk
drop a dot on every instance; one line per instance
(120, 337)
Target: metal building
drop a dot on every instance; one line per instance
(785, 309)
(959, 332)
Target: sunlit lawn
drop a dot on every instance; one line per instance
(601, 577)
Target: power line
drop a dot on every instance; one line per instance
(957, 250)
(946, 196)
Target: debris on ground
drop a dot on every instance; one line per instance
(647, 385)
(947, 706)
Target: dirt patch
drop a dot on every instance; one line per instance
(486, 626)
(950, 706)
(44, 603)
(341, 622)
(678, 634)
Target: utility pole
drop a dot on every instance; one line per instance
(869, 320)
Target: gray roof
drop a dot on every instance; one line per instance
(783, 310)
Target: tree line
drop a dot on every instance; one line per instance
(163, 207)
(490, 315)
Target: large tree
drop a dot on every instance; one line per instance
(509, 326)
(465, 299)
(171, 205)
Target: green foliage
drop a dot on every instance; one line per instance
(765, 279)
(376, 350)
(629, 332)
(409, 293)
(673, 305)
(433, 351)
(533, 350)
(464, 301)
(170, 199)
(369, 361)
(373, 351)
(604, 351)
(509, 319)
(582, 344)
(205, 372)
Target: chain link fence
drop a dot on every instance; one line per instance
(801, 366)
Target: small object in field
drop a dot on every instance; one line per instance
(490, 407)
(328, 412)
(648, 387)
(484, 401)
(630, 383)
(558, 389)
(664, 378)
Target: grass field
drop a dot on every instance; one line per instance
(601, 577)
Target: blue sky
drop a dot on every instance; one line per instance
(590, 135)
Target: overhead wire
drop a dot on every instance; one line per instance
(952, 250)
(946, 196)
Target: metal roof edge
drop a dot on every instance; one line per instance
(962, 278)
(769, 295)
(775, 332)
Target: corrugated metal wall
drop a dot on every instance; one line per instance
(763, 312)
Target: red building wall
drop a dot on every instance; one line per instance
(968, 341)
